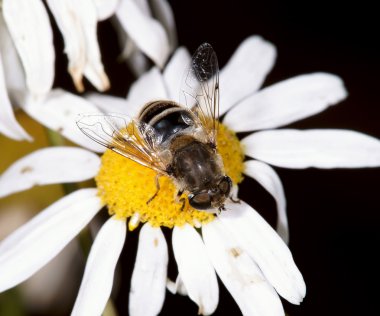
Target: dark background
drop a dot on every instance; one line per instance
(333, 214)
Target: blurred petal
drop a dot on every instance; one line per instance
(270, 181)
(13, 71)
(175, 71)
(246, 71)
(320, 148)
(105, 8)
(195, 269)
(34, 244)
(147, 293)
(146, 32)
(258, 239)
(286, 102)
(59, 111)
(8, 124)
(108, 103)
(97, 281)
(176, 287)
(47, 166)
(29, 26)
(164, 13)
(241, 276)
(148, 87)
(77, 21)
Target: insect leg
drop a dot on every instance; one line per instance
(183, 200)
(156, 179)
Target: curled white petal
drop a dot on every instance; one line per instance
(105, 8)
(258, 239)
(270, 181)
(241, 276)
(286, 102)
(320, 148)
(77, 21)
(196, 271)
(146, 32)
(175, 71)
(97, 281)
(34, 244)
(246, 71)
(8, 123)
(29, 26)
(47, 166)
(148, 282)
(59, 111)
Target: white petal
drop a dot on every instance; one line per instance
(147, 33)
(59, 111)
(329, 148)
(13, 71)
(77, 22)
(8, 124)
(97, 281)
(137, 62)
(34, 244)
(109, 103)
(195, 269)
(176, 287)
(105, 8)
(29, 26)
(164, 13)
(241, 276)
(47, 166)
(266, 248)
(270, 181)
(246, 71)
(175, 71)
(148, 87)
(286, 102)
(147, 293)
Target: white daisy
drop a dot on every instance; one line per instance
(31, 32)
(249, 257)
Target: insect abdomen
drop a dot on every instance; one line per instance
(166, 117)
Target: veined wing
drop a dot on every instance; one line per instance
(125, 136)
(200, 89)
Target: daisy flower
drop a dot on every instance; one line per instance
(250, 258)
(32, 34)
(27, 53)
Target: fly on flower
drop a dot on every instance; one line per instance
(174, 140)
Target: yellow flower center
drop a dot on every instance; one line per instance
(125, 187)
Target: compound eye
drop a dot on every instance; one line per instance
(200, 201)
(225, 185)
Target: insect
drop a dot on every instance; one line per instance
(175, 140)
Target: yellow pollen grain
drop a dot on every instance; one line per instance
(125, 187)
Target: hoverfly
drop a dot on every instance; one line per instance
(175, 140)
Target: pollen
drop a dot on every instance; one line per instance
(127, 188)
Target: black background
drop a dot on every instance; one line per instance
(333, 214)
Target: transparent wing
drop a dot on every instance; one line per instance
(200, 89)
(125, 136)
